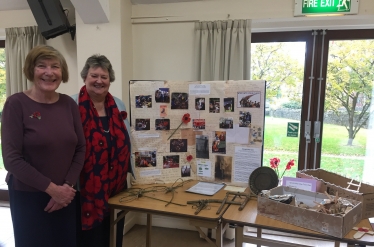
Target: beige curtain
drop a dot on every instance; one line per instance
(18, 42)
(223, 50)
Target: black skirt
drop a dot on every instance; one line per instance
(33, 227)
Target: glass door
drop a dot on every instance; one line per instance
(3, 185)
(345, 144)
(282, 60)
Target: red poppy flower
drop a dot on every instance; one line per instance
(104, 174)
(99, 142)
(290, 164)
(87, 213)
(36, 115)
(103, 157)
(88, 164)
(124, 114)
(362, 229)
(124, 154)
(274, 162)
(186, 118)
(189, 158)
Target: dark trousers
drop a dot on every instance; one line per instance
(33, 227)
(98, 236)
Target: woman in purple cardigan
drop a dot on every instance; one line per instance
(43, 148)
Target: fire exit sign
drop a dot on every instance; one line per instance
(321, 7)
(292, 129)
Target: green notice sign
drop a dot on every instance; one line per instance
(292, 129)
(325, 6)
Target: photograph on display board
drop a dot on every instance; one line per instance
(202, 147)
(145, 159)
(226, 123)
(198, 124)
(219, 142)
(162, 124)
(186, 171)
(228, 104)
(162, 95)
(256, 134)
(249, 99)
(142, 124)
(245, 119)
(163, 110)
(223, 168)
(171, 161)
(178, 145)
(143, 101)
(179, 101)
(214, 105)
(200, 104)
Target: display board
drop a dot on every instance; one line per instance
(220, 141)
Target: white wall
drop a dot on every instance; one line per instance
(126, 49)
(164, 51)
(163, 34)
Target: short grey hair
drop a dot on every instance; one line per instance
(96, 61)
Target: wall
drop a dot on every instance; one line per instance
(164, 51)
(163, 34)
(126, 49)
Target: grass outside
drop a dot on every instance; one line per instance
(336, 156)
(335, 139)
(351, 168)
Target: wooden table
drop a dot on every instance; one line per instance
(249, 217)
(206, 218)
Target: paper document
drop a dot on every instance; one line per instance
(205, 188)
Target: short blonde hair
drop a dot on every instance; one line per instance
(44, 52)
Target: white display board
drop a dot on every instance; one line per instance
(222, 142)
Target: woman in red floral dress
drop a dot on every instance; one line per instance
(108, 152)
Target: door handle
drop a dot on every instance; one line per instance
(307, 131)
(317, 131)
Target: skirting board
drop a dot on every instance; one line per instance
(168, 222)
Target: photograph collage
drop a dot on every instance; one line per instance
(176, 130)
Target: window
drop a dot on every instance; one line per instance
(3, 186)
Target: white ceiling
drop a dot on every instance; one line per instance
(13, 4)
(22, 4)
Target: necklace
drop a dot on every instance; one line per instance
(106, 131)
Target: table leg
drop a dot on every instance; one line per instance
(210, 225)
(239, 236)
(112, 236)
(336, 244)
(149, 230)
(259, 235)
(219, 233)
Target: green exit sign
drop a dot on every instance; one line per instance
(292, 129)
(325, 7)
